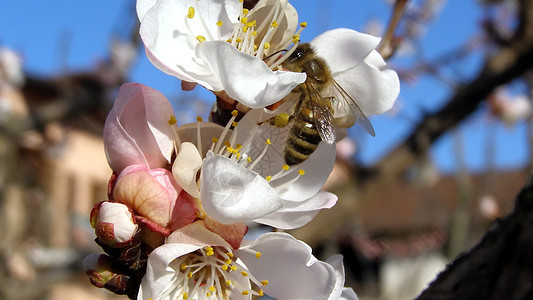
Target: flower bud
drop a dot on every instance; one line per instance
(113, 223)
(103, 274)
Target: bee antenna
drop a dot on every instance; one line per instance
(271, 55)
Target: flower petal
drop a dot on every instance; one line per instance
(151, 193)
(297, 214)
(287, 263)
(336, 262)
(143, 6)
(136, 130)
(246, 78)
(186, 166)
(230, 193)
(158, 272)
(344, 48)
(170, 36)
(371, 84)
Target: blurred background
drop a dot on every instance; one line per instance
(447, 160)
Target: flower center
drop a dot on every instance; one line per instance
(252, 36)
(212, 272)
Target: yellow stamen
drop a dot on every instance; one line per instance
(172, 120)
(296, 39)
(199, 119)
(244, 20)
(233, 268)
(214, 139)
(234, 124)
(258, 254)
(245, 12)
(224, 267)
(274, 24)
(183, 266)
(244, 274)
(266, 46)
(303, 24)
(301, 172)
(264, 282)
(212, 289)
(245, 293)
(238, 40)
(268, 178)
(268, 142)
(189, 275)
(185, 296)
(220, 23)
(229, 254)
(261, 293)
(285, 167)
(190, 13)
(200, 38)
(228, 282)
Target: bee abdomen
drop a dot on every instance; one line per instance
(303, 139)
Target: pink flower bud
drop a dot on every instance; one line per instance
(153, 194)
(114, 223)
(136, 130)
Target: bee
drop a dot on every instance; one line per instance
(313, 118)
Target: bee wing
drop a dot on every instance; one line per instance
(360, 118)
(322, 112)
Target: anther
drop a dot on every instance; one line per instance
(190, 13)
(258, 254)
(200, 38)
(220, 23)
(264, 282)
(172, 120)
(274, 24)
(303, 24)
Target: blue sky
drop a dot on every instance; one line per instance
(38, 29)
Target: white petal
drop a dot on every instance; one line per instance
(297, 214)
(245, 78)
(344, 48)
(158, 272)
(371, 84)
(170, 37)
(185, 168)
(292, 271)
(230, 193)
(336, 262)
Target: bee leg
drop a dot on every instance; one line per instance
(280, 120)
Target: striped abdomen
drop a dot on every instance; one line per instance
(303, 137)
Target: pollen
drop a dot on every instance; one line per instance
(200, 38)
(233, 268)
(183, 266)
(238, 40)
(245, 11)
(229, 254)
(303, 24)
(301, 172)
(234, 124)
(214, 139)
(185, 296)
(228, 282)
(266, 46)
(268, 142)
(285, 167)
(258, 254)
(244, 274)
(172, 120)
(220, 23)
(190, 13)
(212, 289)
(295, 39)
(274, 24)
(244, 20)
(224, 267)
(268, 178)
(199, 119)
(245, 293)
(234, 113)
(228, 261)
(261, 293)
(264, 282)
